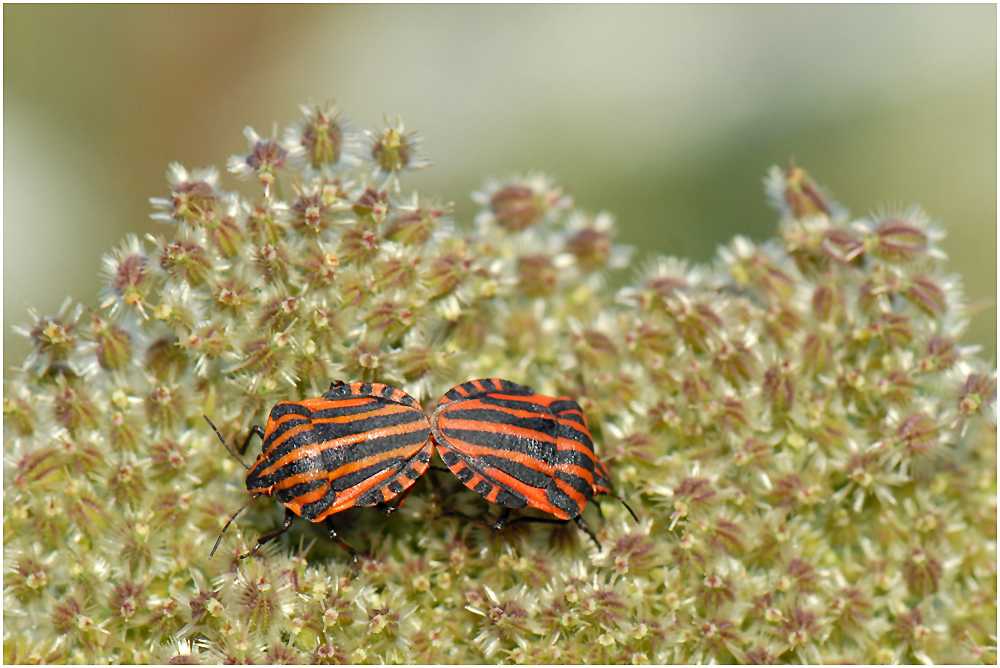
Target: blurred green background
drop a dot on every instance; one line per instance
(668, 116)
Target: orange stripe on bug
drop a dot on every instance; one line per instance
(383, 454)
(481, 402)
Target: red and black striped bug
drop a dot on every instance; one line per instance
(360, 444)
(519, 448)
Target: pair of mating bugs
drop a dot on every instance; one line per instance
(365, 444)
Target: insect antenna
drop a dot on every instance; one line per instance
(219, 539)
(226, 446)
(629, 509)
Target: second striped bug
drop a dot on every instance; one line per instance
(518, 448)
(360, 444)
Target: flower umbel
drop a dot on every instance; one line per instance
(811, 452)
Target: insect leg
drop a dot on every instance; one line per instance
(580, 522)
(390, 508)
(271, 535)
(502, 520)
(253, 430)
(335, 538)
(256, 429)
(463, 516)
(219, 539)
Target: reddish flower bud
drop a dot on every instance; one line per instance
(898, 241)
(394, 150)
(114, 345)
(927, 295)
(782, 322)
(591, 246)
(448, 270)
(595, 348)
(841, 246)
(714, 592)
(515, 207)
(273, 261)
(978, 391)
(736, 362)
(165, 406)
(193, 201)
(264, 226)
(918, 434)
(319, 267)
(359, 244)
(519, 203)
(232, 293)
(697, 324)
(372, 201)
(265, 159)
(942, 353)
(725, 535)
(412, 227)
(923, 573)
(801, 194)
(311, 212)
(325, 138)
(894, 330)
(186, 262)
(263, 356)
(828, 303)
(73, 409)
(817, 352)
(397, 272)
(664, 287)
(537, 274)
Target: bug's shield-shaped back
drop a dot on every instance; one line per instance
(360, 444)
(505, 442)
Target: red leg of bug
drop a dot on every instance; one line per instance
(335, 538)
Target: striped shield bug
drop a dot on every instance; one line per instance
(360, 444)
(519, 448)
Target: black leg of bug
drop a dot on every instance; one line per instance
(219, 539)
(580, 522)
(335, 538)
(464, 517)
(390, 508)
(271, 535)
(255, 430)
(504, 520)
